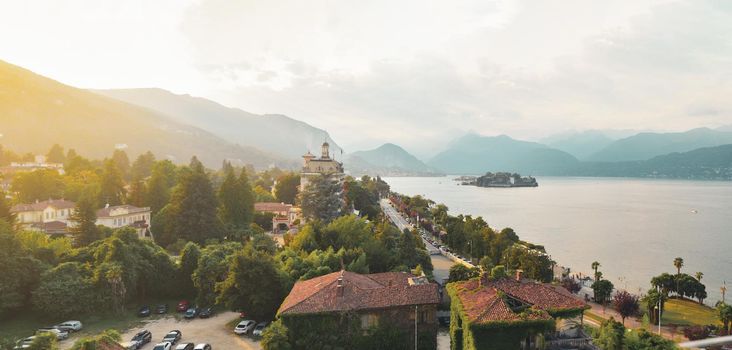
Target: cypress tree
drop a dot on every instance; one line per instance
(246, 194)
(85, 228)
(112, 188)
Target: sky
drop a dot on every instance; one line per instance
(413, 72)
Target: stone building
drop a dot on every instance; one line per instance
(325, 165)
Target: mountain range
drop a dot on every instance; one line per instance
(37, 112)
(278, 134)
(388, 159)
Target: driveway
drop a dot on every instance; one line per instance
(211, 330)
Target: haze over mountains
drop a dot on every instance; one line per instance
(180, 126)
(36, 112)
(274, 133)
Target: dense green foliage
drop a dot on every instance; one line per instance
(21, 271)
(287, 187)
(321, 199)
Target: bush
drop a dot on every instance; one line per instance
(697, 332)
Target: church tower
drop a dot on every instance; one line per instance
(325, 151)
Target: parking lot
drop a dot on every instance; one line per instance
(212, 330)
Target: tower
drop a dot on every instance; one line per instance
(325, 151)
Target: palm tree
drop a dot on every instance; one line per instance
(595, 266)
(679, 263)
(699, 276)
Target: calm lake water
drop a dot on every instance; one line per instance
(633, 227)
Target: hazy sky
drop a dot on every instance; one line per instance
(412, 72)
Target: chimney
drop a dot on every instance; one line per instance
(519, 274)
(339, 287)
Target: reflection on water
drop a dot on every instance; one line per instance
(633, 227)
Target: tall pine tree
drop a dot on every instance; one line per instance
(112, 187)
(322, 199)
(84, 227)
(159, 185)
(193, 206)
(237, 199)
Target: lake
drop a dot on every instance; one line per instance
(633, 227)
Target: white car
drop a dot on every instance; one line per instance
(202, 347)
(69, 326)
(163, 346)
(60, 335)
(24, 343)
(259, 329)
(244, 327)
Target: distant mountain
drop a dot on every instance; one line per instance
(273, 133)
(725, 128)
(709, 163)
(580, 145)
(387, 160)
(648, 145)
(474, 154)
(36, 112)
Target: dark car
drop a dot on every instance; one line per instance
(172, 337)
(206, 312)
(142, 337)
(161, 309)
(144, 311)
(183, 305)
(191, 313)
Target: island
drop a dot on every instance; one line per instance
(501, 179)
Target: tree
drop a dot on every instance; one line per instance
(142, 166)
(275, 337)
(651, 301)
(56, 154)
(678, 263)
(188, 264)
(193, 206)
(321, 199)
(253, 283)
(602, 290)
(664, 281)
(626, 304)
(163, 178)
(499, 271)
(287, 187)
(610, 335)
(699, 275)
(237, 199)
(724, 312)
(571, 285)
(122, 161)
(112, 187)
(84, 217)
(213, 267)
(66, 290)
(20, 272)
(697, 332)
(460, 272)
(44, 341)
(137, 195)
(595, 267)
(38, 185)
(5, 213)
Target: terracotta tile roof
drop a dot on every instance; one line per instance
(271, 207)
(51, 226)
(131, 209)
(38, 206)
(359, 292)
(488, 302)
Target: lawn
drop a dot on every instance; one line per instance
(687, 312)
(24, 324)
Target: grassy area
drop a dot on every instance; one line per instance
(687, 312)
(24, 324)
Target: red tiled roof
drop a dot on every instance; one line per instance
(360, 292)
(271, 206)
(38, 206)
(485, 303)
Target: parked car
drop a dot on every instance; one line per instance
(144, 311)
(183, 305)
(184, 346)
(172, 337)
(206, 312)
(257, 332)
(24, 343)
(191, 313)
(60, 335)
(69, 326)
(203, 347)
(161, 309)
(142, 337)
(163, 346)
(244, 327)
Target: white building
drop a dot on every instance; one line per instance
(325, 165)
(51, 216)
(126, 216)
